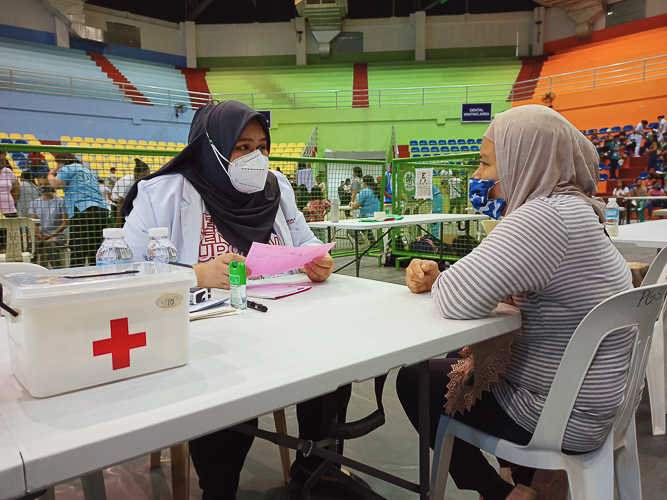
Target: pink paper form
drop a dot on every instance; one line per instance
(276, 259)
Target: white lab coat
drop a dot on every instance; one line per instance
(171, 201)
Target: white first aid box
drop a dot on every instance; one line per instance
(80, 327)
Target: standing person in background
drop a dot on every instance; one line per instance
(87, 212)
(123, 186)
(356, 187)
(368, 199)
(388, 194)
(29, 192)
(639, 136)
(662, 127)
(614, 152)
(322, 186)
(53, 221)
(9, 193)
(652, 152)
(106, 193)
(112, 177)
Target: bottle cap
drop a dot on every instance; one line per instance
(156, 232)
(113, 232)
(237, 273)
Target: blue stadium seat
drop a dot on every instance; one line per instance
(6, 141)
(628, 128)
(424, 149)
(604, 177)
(603, 166)
(442, 142)
(604, 130)
(472, 141)
(583, 132)
(631, 186)
(454, 149)
(461, 141)
(592, 131)
(435, 149)
(436, 153)
(451, 142)
(444, 149)
(414, 149)
(416, 156)
(21, 164)
(643, 175)
(463, 172)
(414, 143)
(653, 125)
(479, 141)
(432, 142)
(424, 156)
(474, 148)
(20, 141)
(18, 156)
(465, 148)
(615, 130)
(423, 143)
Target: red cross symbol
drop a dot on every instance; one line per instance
(119, 344)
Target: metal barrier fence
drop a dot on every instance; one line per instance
(626, 72)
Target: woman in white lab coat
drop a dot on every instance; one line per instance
(217, 197)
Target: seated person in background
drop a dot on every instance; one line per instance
(302, 196)
(29, 192)
(53, 221)
(614, 155)
(656, 190)
(546, 175)
(123, 185)
(112, 177)
(215, 208)
(347, 193)
(620, 191)
(323, 187)
(368, 198)
(317, 207)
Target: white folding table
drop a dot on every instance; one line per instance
(357, 225)
(240, 367)
(12, 480)
(651, 234)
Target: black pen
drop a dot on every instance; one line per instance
(257, 306)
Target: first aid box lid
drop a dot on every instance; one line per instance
(64, 286)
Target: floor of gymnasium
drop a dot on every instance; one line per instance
(392, 447)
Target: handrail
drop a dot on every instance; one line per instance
(612, 74)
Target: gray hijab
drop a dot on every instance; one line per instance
(540, 153)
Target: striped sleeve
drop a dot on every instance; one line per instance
(521, 255)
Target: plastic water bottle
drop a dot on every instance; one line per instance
(114, 250)
(335, 209)
(612, 217)
(159, 248)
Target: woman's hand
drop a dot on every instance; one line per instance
(421, 274)
(215, 274)
(320, 269)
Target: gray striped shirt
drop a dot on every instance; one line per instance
(552, 256)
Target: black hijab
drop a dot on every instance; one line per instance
(239, 217)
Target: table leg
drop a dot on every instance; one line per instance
(356, 249)
(442, 241)
(424, 430)
(154, 459)
(180, 471)
(329, 233)
(93, 486)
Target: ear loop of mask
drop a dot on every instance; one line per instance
(219, 155)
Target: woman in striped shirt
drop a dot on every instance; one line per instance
(551, 257)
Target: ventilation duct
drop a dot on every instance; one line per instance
(583, 12)
(325, 19)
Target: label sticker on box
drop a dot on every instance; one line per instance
(169, 300)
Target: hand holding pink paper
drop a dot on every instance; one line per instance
(276, 259)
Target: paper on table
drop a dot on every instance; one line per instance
(276, 259)
(274, 290)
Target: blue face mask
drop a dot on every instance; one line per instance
(478, 192)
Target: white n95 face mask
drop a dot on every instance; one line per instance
(247, 173)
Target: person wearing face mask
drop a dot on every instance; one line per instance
(217, 197)
(53, 221)
(551, 258)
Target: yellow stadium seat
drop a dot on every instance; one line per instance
(89, 140)
(48, 156)
(4, 135)
(100, 140)
(132, 141)
(95, 166)
(29, 137)
(171, 144)
(162, 143)
(180, 145)
(60, 193)
(282, 145)
(143, 143)
(103, 174)
(77, 139)
(141, 147)
(100, 157)
(295, 155)
(121, 141)
(151, 148)
(86, 158)
(118, 146)
(52, 164)
(111, 141)
(300, 144)
(274, 145)
(171, 148)
(34, 143)
(15, 136)
(152, 143)
(291, 145)
(84, 145)
(108, 166)
(65, 138)
(130, 146)
(72, 145)
(279, 150)
(107, 146)
(289, 150)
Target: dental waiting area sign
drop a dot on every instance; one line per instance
(475, 113)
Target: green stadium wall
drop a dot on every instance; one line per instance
(369, 129)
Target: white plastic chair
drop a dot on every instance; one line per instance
(591, 475)
(655, 368)
(14, 244)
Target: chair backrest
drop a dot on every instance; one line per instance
(13, 251)
(638, 307)
(657, 273)
(19, 267)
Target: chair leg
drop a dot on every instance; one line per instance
(441, 458)
(595, 479)
(655, 378)
(154, 459)
(180, 471)
(93, 486)
(49, 495)
(626, 466)
(281, 428)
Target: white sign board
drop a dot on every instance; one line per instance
(424, 184)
